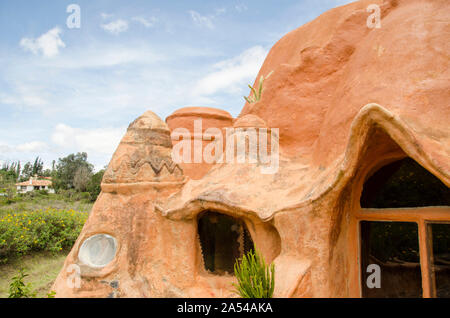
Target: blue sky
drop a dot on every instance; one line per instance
(66, 90)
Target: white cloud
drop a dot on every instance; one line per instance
(105, 56)
(233, 74)
(115, 27)
(206, 21)
(221, 11)
(106, 15)
(241, 7)
(201, 20)
(23, 100)
(97, 141)
(32, 146)
(148, 23)
(48, 43)
(25, 95)
(101, 80)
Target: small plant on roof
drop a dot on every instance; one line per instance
(255, 95)
(255, 278)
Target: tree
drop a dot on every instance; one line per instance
(46, 173)
(27, 172)
(66, 169)
(8, 178)
(10, 171)
(38, 167)
(7, 182)
(18, 170)
(93, 186)
(81, 178)
(30, 169)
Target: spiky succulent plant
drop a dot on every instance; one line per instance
(255, 95)
(255, 278)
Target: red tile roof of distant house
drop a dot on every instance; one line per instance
(35, 182)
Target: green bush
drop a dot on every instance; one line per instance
(255, 278)
(41, 230)
(66, 194)
(37, 194)
(85, 196)
(18, 289)
(8, 200)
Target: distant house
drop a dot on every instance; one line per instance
(35, 184)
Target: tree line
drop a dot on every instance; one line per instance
(71, 173)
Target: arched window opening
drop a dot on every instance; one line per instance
(404, 229)
(223, 239)
(403, 184)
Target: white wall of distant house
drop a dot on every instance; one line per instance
(30, 188)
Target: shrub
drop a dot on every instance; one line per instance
(8, 200)
(85, 196)
(17, 287)
(40, 230)
(255, 278)
(42, 192)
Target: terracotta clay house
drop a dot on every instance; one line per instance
(363, 172)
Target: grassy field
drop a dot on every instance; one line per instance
(50, 201)
(31, 225)
(42, 268)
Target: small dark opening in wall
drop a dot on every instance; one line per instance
(223, 239)
(403, 184)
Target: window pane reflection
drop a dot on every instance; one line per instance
(394, 246)
(439, 234)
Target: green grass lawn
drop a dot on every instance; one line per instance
(42, 268)
(50, 201)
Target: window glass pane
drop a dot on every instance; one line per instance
(440, 236)
(402, 184)
(394, 247)
(98, 250)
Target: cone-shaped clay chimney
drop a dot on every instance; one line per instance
(115, 253)
(144, 154)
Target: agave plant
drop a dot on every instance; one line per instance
(255, 95)
(255, 278)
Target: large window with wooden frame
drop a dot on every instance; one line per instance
(404, 228)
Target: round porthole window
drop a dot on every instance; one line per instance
(98, 250)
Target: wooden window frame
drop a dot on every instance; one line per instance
(420, 215)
